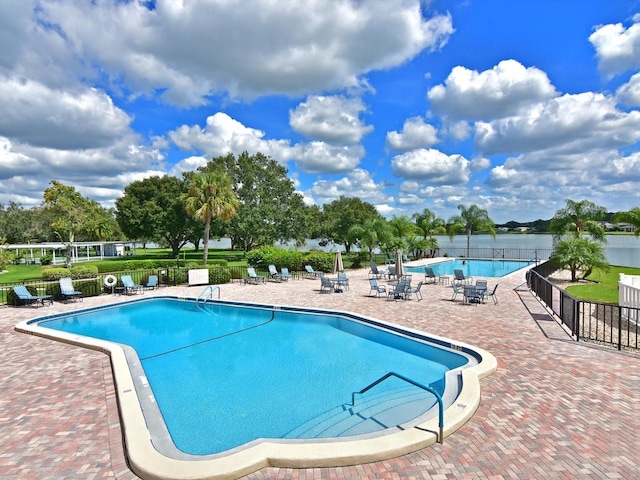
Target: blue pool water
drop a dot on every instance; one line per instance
(225, 375)
(473, 267)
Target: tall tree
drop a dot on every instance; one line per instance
(430, 225)
(402, 226)
(578, 218)
(471, 219)
(73, 214)
(342, 214)
(370, 235)
(153, 210)
(270, 208)
(210, 196)
(631, 217)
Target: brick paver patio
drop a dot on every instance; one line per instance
(554, 409)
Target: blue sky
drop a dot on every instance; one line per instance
(511, 105)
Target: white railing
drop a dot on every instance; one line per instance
(629, 295)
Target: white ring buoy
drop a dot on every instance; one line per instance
(110, 280)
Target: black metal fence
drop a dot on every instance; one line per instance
(535, 254)
(603, 323)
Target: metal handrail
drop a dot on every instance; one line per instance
(204, 290)
(416, 384)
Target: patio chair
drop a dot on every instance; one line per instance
(481, 286)
(492, 294)
(430, 276)
(415, 291)
(460, 278)
(471, 294)
(326, 284)
(275, 275)
(376, 272)
(456, 290)
(375, 287)
(399, 291)
(130, 287)
(67, 291)
(27, 298)
(253, 277)
(152, 282)
(343, 281)
(311, 273)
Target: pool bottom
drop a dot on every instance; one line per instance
(145, 442)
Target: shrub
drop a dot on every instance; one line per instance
(75, 272)
(218, 275)
(321, 261)
(264, 256)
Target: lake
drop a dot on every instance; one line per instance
(620, 249)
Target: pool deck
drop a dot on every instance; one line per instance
(554, 408)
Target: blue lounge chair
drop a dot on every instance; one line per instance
(284, 274)
(430, 276)
(376, 272)
(130, 287)
(253, 277)
(311, 273)
(275, 275)
(152, 282)
(67, 291)
(27, 298)
(460, 278)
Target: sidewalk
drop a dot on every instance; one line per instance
(554, 409)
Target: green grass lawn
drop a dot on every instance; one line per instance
(21, 273)
(606, 287)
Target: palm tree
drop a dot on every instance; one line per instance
(632, 217)
(471, 219)
(371, 234)
(210, 195)
(402, 226)
(579, 254)
(579, 217)
(429, 226)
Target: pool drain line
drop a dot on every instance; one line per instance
(273, 314)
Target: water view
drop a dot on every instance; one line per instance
(620, 249)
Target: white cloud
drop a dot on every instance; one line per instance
(415, 134)
(92, 170)
(189, 50)
(629, 93)
(358, 183)
(495, 93)
(36, 114)
(223, 135)
(432, 166)
(617, 47)
(333, 119)
(320, 157)
(571, 123)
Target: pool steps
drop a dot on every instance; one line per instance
(373, 412)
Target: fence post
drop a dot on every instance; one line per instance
(619, 327)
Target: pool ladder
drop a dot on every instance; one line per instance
(416, 384)
(205, 295)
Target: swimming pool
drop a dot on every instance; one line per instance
(318, 359)
(473, 267)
